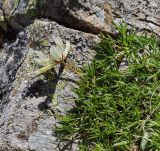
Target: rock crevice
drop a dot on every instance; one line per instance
(27, 115)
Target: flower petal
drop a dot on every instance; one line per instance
(59, 42)
(67, 49)
(44, 69)
(41, 55)
(42, 62)
(56, 53)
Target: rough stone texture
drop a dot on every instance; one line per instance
(29, 106)
(143, 14)
(2, 27)
(18, 13)
(12, 56)
(25, 122)
(90, 16)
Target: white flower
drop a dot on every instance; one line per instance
(58, 54)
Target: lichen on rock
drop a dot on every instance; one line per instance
(29, 97)
(34, 24)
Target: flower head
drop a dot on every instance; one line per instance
(57, 54)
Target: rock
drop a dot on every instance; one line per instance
(18, 14)
(3, 28)
(143, 14)
(12, 56)
(89, 16)
(26, 119)
(29, 106)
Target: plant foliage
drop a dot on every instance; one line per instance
(118, 103)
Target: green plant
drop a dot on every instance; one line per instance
(118, 103)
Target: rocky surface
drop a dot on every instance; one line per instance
(89, 16)
(2, 27)
(29, 106)
(143, 14)
(26, 123)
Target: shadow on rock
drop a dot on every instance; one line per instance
(44, 88)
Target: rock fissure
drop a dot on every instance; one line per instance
(23, 100)
(150, 21)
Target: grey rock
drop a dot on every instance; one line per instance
(143, 14)
(29, 106)
(12, 55)
(27, 117)
(90, 16)
(3, 27)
